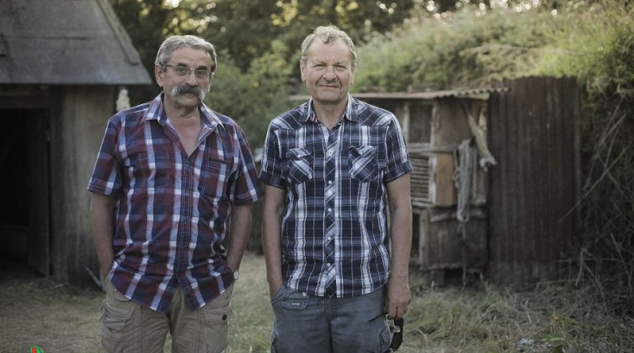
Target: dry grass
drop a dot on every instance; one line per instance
(550, 317)
(34, 311)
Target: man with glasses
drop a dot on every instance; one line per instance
(172, 180)
(334, 168)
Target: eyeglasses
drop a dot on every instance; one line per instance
(184, 71)
(397, 338)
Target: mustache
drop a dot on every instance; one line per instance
(185, 89)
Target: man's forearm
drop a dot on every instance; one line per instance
(401, 240)
(271, 236)
(239, 237)
(102, 217)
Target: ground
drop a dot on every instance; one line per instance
(553, 317)
(62, 318)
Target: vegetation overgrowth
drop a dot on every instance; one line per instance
(592, 41)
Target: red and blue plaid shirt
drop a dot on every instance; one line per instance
(172, 210)
(334, 228)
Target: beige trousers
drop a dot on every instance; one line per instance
(129, 327)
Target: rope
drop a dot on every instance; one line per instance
(465, 159)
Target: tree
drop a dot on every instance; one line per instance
(259, 42)
(147, 23)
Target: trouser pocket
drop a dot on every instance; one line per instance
(116, 316)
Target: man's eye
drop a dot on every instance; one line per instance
(182, 70)
(202, 73)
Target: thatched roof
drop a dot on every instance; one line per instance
(66, 42)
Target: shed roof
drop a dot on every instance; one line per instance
(474, 93)
(66, 42)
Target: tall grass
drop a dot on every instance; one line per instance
(596, 44)
(478, 318)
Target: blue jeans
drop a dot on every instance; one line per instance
(309, 324)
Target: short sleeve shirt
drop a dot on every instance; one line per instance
(334, 228)
(172, 209)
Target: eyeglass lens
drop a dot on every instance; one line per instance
(185, 71)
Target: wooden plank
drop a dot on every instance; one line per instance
(445, 189)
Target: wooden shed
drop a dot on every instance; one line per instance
(446, 136)
(62, 63)
(495, 178)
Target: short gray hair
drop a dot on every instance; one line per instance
(173, 43)
(329, 35)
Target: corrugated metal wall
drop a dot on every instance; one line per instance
(532, 133)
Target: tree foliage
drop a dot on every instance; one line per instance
(259, 43)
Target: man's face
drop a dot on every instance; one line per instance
(327, 71)
(185, 89)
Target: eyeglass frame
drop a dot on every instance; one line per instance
(397, 337)
(180, 71)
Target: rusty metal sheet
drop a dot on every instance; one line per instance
(472, 93)
(531, 132)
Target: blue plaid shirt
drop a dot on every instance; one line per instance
(334, 228)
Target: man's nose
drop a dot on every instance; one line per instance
(330, 71)
(191, 79)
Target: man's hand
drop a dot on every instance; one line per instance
(398, 298)
(274, 288)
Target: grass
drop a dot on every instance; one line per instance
(553, 317)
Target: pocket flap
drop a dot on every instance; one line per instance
(297, 153)
(218, 315)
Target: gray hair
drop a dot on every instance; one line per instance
(329, 35)
(172, 43)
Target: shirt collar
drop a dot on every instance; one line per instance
(312, 118)
(156, 111)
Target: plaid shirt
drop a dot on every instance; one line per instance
(334, 228)
(172, 211)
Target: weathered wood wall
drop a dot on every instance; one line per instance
(75, 138)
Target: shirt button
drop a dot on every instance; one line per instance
(330, 153)
(329, 210)
(329, 182)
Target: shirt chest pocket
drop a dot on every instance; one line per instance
(214, 178)
(149, 172)
(298, 167)
(364, 163)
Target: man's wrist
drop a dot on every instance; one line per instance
(235, 273)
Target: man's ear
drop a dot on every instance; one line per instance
(302, 67)
(158, 74)
(354, 70)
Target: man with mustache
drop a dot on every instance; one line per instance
(333, 167)
(172, 180)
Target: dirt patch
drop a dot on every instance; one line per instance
(34, 311)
